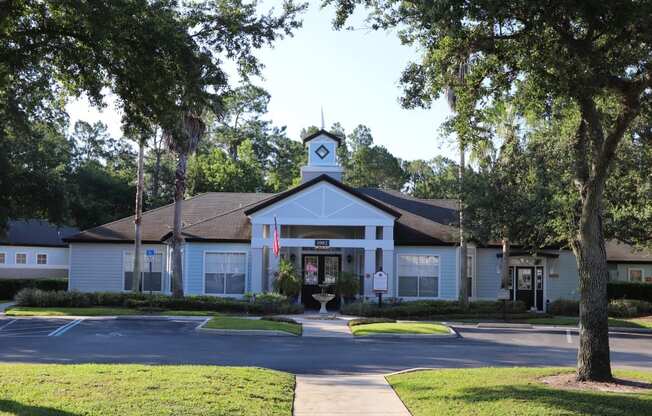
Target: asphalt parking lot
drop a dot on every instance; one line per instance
(175, 341)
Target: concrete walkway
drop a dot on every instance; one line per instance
(346, 395)
(313, 326)
(4, 306)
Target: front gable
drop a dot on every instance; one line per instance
(322, 203)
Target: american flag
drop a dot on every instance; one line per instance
(277, 244)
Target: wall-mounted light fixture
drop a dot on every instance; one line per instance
(349, 258)
(293, 257)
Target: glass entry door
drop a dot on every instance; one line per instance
(319, 269)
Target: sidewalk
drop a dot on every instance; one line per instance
(346, 395)
(4, 306)
(313, 326)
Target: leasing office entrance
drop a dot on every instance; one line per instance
(319, 269)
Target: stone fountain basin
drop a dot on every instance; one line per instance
(323, 297)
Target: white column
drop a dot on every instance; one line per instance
(388, 267)
(369, 270)
(370, 232)
(256, 270)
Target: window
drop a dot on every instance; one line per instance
(418, 276)
(151, 272)
(3, 258)
(41, 259)
(635, 275)
(21, 258)
(225, 273)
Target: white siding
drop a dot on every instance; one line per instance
(566, 286)
(57, 262)
(98, 267)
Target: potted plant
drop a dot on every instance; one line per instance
(347, 286)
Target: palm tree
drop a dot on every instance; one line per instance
(452, 102)
(182, 140)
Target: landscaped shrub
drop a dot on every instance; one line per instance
(564, 307)
(423, 309)
(262, 305)
(365, 321)
(280, 319)
(347, 286)
(629, 290)
(9, 287)
(629, 308)
(287, 281)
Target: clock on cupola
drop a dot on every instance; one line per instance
(322, 156)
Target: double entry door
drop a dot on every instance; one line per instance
(319, 269)
(528, 283)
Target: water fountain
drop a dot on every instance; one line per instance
(323, 297)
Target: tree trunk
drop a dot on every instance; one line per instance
(464, 289)
(593, 361)
(504, 270)
(177, 239)
(140, 185)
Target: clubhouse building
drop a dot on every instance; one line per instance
(326, 228)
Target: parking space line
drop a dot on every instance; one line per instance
(59, 331)
(6, 325)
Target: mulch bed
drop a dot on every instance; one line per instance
(568, 382)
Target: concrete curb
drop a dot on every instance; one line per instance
(502, 325)
(247, 332)
(625, 330)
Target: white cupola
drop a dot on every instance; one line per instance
(322, 156)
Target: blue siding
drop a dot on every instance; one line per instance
(447, 267)
(194, 264)
(487, 274)
(566, 286)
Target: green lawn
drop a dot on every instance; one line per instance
(228, 322)
(422, 328)
(90, 390)
(96, 311)
(613, 322)
(510, 391)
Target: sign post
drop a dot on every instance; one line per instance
(380, 285)
(150, 253)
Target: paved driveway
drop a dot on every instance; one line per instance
(176, 341)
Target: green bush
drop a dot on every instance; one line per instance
(9, 287)
(280, 319)
(347, 286)
(629, 290)
(564, 307)
(629, 308)
(424, 309)
(365, 321)
(287, 281)
(262, 305)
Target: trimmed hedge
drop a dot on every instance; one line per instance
(423, 309)
(366, 321)
(629, 290)
(9, 287)
(618, 308)
(261, 305)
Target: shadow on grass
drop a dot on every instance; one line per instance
(18, 409)
(564, 401)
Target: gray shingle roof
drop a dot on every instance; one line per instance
(618, 252)
(35, 232)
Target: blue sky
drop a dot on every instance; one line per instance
(352, 74)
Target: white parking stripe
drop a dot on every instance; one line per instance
(568, 337)
(6, 325)
(57, 332)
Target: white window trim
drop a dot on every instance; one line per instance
(398, 277)
(629, 274)
(46, 259)
(225, 295)
(122, 276)
(16, 259)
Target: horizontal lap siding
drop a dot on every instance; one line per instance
(487, 275)
(566, 286)
(193, 275)
(447, 267)
(97, 267)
